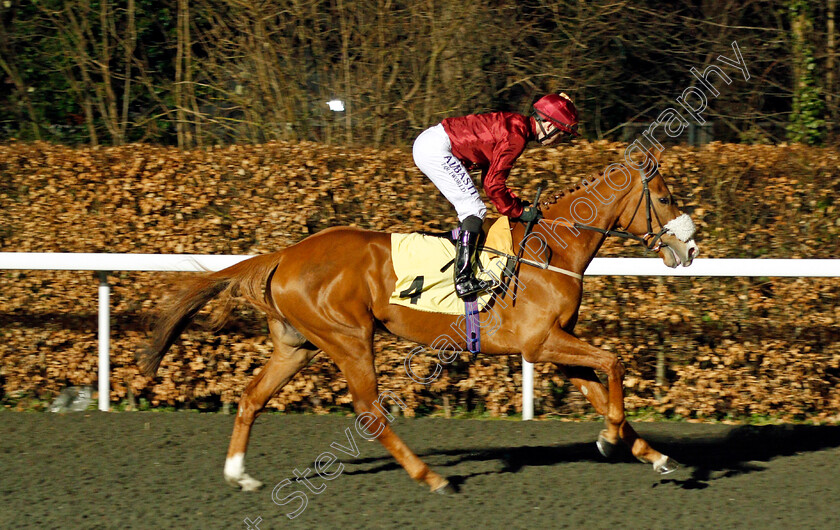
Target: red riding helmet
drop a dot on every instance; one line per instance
(559, 110)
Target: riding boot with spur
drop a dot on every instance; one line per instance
(466, 284)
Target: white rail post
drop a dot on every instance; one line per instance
(527, 390)
(104, 342)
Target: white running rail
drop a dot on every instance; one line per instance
(106, 263)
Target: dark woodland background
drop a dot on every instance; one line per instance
(205, 72)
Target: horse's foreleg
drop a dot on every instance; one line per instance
(287, 360)
(591, 387)
(568, 351)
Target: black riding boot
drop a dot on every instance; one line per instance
(466, 283)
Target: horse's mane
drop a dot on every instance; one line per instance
(574, 188)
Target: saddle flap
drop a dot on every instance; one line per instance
(418, 260)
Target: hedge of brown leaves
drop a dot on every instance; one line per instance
(728, 346)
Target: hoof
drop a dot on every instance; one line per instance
(606, 448)
(445, 489)
(666, 465)
(246, 482)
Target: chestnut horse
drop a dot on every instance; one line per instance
(330, 292)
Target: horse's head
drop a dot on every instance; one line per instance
(650, 212)
(630, 201)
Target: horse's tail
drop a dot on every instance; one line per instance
(249, 280)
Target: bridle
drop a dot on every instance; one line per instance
(651, 241)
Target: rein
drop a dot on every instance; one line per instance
(528, 233)
(649, 240)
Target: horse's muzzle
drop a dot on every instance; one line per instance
(675, 252)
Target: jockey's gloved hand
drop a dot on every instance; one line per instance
(530, 213)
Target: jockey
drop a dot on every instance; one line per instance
(491, 142)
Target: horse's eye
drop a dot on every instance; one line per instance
(665, 200)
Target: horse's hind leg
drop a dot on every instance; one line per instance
(591, 387)
(354, 357)
(291, 354)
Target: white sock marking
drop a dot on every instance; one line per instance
(235, 465)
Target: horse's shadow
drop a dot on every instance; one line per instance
(737, 451)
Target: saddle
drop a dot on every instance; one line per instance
(421, 264)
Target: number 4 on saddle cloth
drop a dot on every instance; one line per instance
(426, 283)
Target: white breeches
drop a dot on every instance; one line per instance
(433, 155)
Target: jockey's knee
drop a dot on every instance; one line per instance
(472, 223)
(472, 207)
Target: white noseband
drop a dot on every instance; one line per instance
(682, 227)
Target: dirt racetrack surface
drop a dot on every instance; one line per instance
(164, 470)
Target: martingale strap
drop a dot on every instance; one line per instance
(526, 261)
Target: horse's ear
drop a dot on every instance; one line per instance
(657, 154)
(643, 158)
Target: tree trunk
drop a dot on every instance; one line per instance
(180, 115)
(110, 116)
(344, 24)
(131, 44)
(193, 127)
(432, 66)
(831, 64)
(21, 89)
